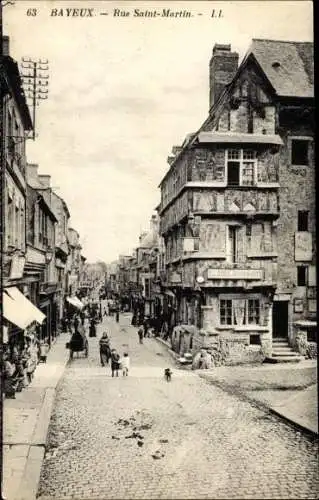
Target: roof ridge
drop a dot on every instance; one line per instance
(279, 41)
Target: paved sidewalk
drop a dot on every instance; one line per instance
(290, 391)
(25, 425)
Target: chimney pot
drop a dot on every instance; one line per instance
(218, 47)
(45, 180)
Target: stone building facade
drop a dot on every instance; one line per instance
(19, 297)
(237, 208)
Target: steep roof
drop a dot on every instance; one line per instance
(11, 70)
(288, 66)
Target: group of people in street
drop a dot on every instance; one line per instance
(117, 362)
(20, 362)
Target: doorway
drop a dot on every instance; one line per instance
(280, 319)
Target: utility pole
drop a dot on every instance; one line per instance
(35, 83)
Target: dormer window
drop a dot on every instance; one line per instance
(276, 65)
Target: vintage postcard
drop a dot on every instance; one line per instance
(158, 250)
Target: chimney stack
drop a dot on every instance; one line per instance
(5, 46)
(45, 180)
(222, 68)
(32, 172)
(154, 224)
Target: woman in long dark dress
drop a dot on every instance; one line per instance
(92, 329)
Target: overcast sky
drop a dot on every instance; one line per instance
(123, 91)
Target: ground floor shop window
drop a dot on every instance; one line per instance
(239, 312)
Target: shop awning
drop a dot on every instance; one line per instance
(74, 301)
(19, 310)
(170, 293)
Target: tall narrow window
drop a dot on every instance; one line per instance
(17, 227)
(301, 275)
(303, 220)
(233, 244)
(253, 311)
(10, 228)
(299, 152)
(226, 312)
(233, 172)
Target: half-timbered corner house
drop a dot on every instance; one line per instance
(237, 204)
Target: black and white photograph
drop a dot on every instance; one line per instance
(158, 250)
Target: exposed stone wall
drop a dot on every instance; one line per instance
(225, 350)
(297, 192)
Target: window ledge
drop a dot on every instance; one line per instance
(255, 328)
(268, 184)
(262, 255)
(299, 166)
(244, 328)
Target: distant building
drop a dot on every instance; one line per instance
(40, 263)
(73, 261)
(20, 292)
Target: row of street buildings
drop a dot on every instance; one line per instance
(42, 263)
(232, 247)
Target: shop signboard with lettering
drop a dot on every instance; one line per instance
(235, 274)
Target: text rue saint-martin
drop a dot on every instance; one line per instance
(169, 13)
(166, 13)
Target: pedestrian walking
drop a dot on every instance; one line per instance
(140, 333)
(76, 322)
(125, 364)
(92, 328)
(117, 312)
(115, 363)
(105, 352)
(82, 315)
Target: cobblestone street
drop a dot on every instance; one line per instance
(140, 437)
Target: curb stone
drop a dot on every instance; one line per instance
(29, 484)
(257, 403)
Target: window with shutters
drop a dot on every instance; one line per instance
(241, 167)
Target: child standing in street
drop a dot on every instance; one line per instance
(44, 349)
(115, 363)
(125, 364)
